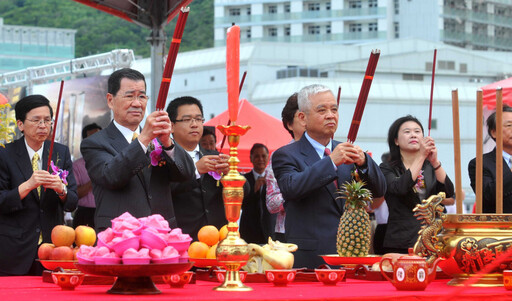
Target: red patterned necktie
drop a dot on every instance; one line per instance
(327, 152)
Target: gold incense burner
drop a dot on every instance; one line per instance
(233, 252)
(466, 242)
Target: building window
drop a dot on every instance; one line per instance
(463, 68)
(411, 76)
(234, 12)
(372, 27)
(212, 78)
(324, 74)
(287, 31)
(313, 6)
(328, 6)
(396, 5)
(185, 82)
(272, 31)
(428, 66)
(248, 33)
(354, 27)
(327, 29)
(287, 8)
(446, 65)
(354, 3)
(397, 29)
(314, 29)
(248, 11)
(272, 9)
(433, 124)
(372, 3)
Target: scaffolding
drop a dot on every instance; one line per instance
(80, 67)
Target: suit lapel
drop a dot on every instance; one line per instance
(24, 163)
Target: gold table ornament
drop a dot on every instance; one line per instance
(233, 252)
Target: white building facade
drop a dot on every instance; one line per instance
(474, 24)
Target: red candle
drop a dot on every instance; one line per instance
(232, 70)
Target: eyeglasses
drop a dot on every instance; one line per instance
(189, 120)
(38, 122)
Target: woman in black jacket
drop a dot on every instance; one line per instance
(413, 173)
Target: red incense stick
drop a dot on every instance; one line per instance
(55, 126)
(338, 97)
(432, 92)
(171, 58)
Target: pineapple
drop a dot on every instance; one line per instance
(353, 239)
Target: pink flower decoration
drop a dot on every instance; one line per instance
(215, 175)
(59, 172)
(156, 153)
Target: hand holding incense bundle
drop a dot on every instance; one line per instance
(363, 95)
(432, 92)
(171, 59)
(55, 125)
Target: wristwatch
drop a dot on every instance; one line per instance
(64, 190)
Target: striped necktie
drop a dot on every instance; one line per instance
(35, 167)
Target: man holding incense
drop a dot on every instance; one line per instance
(32, 199)
(130, 168)
(489, 166)
(310, 170)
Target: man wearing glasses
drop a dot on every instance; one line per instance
(197, 202)
(118, 158)
(32, 199)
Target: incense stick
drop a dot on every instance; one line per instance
(171, 58)
(456, 150)
(432, 92)
(479, 151)
(499, 151)
(55, 126)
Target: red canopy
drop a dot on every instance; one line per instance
(489, 93)
(264, 129)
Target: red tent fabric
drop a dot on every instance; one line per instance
(489, 93)
(264, 129)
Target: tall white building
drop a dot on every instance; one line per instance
(474, 24)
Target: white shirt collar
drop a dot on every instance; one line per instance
(506, 157)
(126, 132)
(257, 175)
(319, 148)
(31, 153)
(194, 154)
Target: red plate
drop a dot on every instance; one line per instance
(335, 259)
(53, 264)
(204, 262)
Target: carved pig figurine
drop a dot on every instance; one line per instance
(274, 255)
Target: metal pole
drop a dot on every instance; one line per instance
(157, 41)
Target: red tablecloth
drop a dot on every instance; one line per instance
(32, 288)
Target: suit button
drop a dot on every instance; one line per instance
(150, 197)
(38, 230)
(42, 211)
(207, 211)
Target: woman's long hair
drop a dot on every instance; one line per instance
(394, 150)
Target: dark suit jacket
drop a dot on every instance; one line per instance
(22, 220)
(489, 183)
(403, 227)
(312, 211)
(256, 223)
(124, 180)
(198, 202)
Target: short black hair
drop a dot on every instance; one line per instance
(172, 108)
(491, 121)
(114, 81)
(90, 127)
(28, 103)
(394, 150)
(255, 146)
(288, 113)
(207, 131)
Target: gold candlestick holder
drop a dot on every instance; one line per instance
(233, 252)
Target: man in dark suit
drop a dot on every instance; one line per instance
(198, 201)
(118, 157)
(489, 166)
(308, 176)
(32, 200)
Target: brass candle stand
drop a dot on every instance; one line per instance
(233, 252)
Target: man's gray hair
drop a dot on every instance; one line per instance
(306, 92)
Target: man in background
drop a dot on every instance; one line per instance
(255, 221)
(84, 214)
(208, 140)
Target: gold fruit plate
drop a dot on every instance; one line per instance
(205, 262)
(335, 259)
(134, 279)
(54, 264)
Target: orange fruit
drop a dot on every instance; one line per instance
(198, 249)
(211, 252)
(223, 232)
(209, 235)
